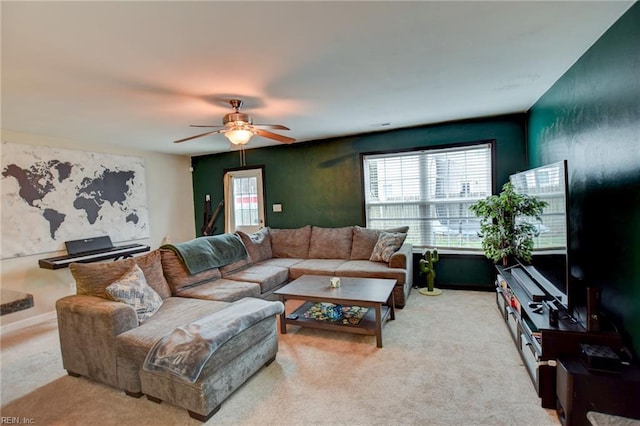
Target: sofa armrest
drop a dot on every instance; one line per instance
(88, 326)
(403, 259)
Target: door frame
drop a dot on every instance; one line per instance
(230, 204)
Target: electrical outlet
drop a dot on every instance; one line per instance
(72, 287)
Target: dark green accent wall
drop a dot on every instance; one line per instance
(320, 183)
(591, 117)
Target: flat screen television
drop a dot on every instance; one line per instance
(549, 265)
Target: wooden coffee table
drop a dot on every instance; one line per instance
(372, 293)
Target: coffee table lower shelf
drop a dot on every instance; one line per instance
(366, 326)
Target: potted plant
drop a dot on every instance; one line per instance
(427, 263)
(503, 234)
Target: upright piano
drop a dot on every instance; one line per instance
(91, 250)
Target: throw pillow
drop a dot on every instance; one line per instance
(365, 239)
(258, 244)
(388, 243)
(132, 289)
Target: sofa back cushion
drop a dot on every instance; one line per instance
(258, 244)
(236, 266)
(292, 243)
(178, 276)
(93, 278)
(151, 265)
(330, 243)
(365, 239)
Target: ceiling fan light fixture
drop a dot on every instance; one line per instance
(238, 127)
(239, 136)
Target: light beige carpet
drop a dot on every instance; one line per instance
(447, 360)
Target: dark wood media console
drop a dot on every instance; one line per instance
(539, 343)
(581, 391)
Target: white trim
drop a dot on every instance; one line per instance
(421, 250)
(28, 322)
(230, 203)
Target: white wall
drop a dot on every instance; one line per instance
(170, 204)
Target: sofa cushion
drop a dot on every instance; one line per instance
(268, 277)
(290, 242)
(223, 290)
(132, 346)
(388, 243)
(330, 243)
(258, 244)
(315, 267)
(365, 239)
(93, 278)
(235, 266)
(132, 289)
(282, 262)
(185, 350)
(369, 269)
(177, 275)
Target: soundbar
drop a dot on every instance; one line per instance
(528, 285)
(92, 256)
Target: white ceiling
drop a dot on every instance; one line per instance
(138, 73)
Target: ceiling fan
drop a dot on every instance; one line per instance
(239, 128)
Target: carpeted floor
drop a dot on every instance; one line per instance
(447, 360)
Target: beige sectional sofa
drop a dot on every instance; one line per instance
(277, 256)
(108, 338)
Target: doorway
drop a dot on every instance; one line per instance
(244, 200)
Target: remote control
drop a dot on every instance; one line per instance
(292, 316)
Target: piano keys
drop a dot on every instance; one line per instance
(91, 250)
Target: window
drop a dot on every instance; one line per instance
(430, 191)
(547, 183)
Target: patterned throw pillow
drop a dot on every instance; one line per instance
(388, 243)
(132, 289)
(365, 239)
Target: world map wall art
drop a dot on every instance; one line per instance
(52, 195)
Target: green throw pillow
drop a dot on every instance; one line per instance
(132, 289)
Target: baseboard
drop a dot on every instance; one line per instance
(473, 287)
(28, 322)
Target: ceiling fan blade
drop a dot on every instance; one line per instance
(199, 125)
(196, 136)
(276, 137)
(272, 126)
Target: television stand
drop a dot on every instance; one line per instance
(540, 344)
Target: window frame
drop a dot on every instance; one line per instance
(457, 146)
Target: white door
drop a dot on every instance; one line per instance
(244, 200)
